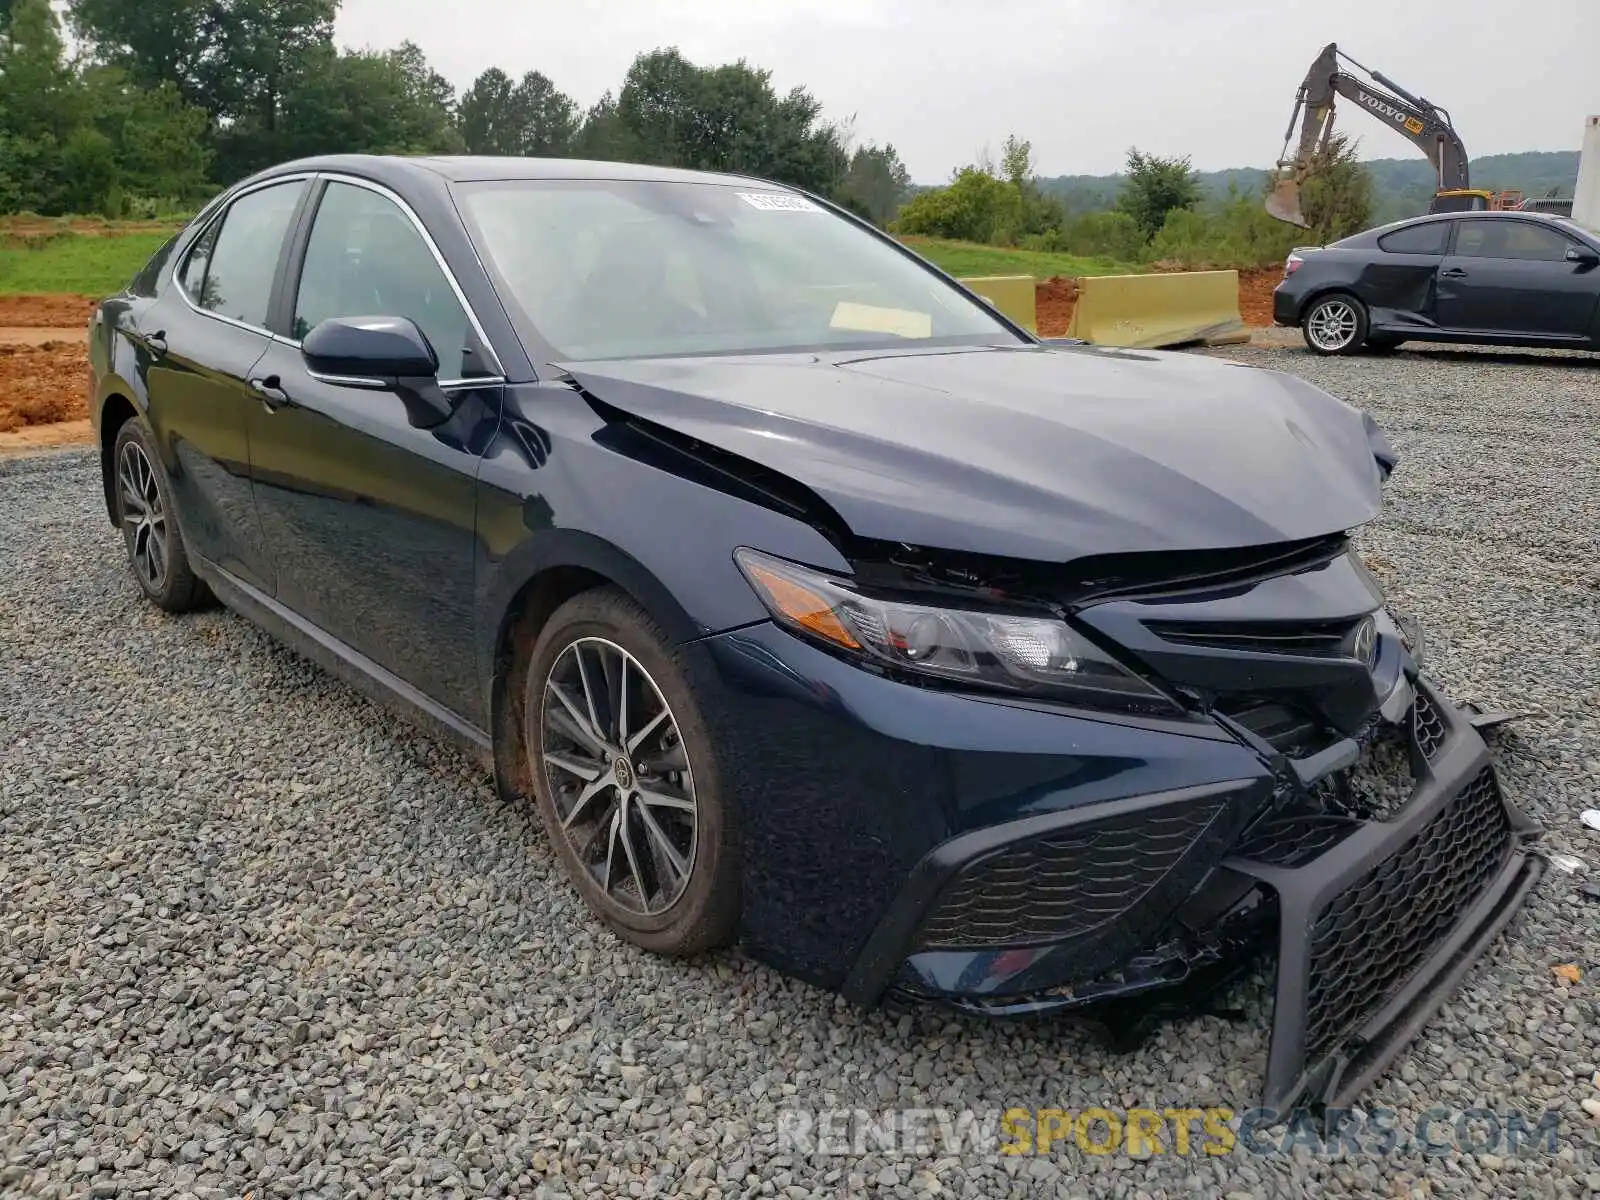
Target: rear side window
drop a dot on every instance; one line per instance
(1427, 238)
(1521, 240)
(231, 268)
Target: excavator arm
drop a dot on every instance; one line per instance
(1424, 124)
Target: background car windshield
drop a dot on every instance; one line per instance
(627, 269)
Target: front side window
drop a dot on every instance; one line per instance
(1511, 239)
(231, 268)
(366, 259)
(1427, 238)
(628, 268)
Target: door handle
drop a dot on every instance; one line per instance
(272, 395)
(1453, 273)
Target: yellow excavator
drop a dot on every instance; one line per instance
(1422, 122)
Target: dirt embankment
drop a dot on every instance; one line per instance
(46, 312)
(1054, 299)
(44, 383)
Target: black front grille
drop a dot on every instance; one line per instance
(1428, 724)
(1316, 639)
(1375, 934)
(1294, 839)
(1065, 884)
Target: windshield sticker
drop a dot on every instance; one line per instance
(778, 202)
(870, 318)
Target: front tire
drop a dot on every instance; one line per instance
(1335, 324)
(149, 523)
(626, 778)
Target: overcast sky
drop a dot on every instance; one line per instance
(1082, 79)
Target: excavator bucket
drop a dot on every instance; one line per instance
(1283, 202)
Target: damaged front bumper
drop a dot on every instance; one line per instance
(1374, 921)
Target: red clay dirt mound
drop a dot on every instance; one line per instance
(45, 312)
(1054, 299)
(43, 384)
(1255, 294)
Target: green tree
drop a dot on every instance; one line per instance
(531, 118)
(1155, 186)
(158, 141)
(976, 207)
(726, 118)
(1336, 197)
(40, 107)
(377, 103)
(876, 183)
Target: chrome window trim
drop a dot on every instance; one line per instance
(499, 376)
(433, 248)
(371, 383)
(222, 215)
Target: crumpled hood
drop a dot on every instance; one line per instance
(1043, 454)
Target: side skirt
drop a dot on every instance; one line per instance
(377, 683)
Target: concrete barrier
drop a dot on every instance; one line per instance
(1172, 309)
(1011, 294)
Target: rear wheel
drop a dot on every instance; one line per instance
(626, 777)
(1335, 324)
(149, 527)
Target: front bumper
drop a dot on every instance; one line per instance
(1376, 921)
(1030, 861)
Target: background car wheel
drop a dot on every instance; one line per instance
(149, 525)
(1335, 324)
(626, 777)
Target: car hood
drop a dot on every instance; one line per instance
(1038, 453)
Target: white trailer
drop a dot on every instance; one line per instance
(1586, 200)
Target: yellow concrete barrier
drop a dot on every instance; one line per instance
(1011, 294)
(1172, 309)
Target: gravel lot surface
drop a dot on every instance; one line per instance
(257, 938)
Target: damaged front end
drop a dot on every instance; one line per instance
(1351, 822)
(1378, 858)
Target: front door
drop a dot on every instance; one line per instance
(371, 520)
(1511, 276)
(199, 343)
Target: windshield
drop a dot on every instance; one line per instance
(630, 269)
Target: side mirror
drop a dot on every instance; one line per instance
(1583, 256)
(383, 354)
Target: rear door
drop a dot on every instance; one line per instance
(1509, 276)
(371, 520)
(199, 343)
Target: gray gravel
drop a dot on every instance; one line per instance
(256, 937)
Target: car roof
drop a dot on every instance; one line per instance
(464, 168)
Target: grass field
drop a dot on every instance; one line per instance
(969, 258)
(79, 263)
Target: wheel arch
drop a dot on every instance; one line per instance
(532, 586)
(116, 410)
(1323, 292)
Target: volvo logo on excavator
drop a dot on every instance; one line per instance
(1379, 105)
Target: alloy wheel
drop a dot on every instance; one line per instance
(619, 776)
(144, 516)
(1332, 325)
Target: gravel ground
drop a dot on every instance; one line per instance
(257, 938)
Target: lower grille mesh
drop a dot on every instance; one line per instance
(1427, 723)
(1375, 934)
(1064, 884)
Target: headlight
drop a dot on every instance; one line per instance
(1040, 656)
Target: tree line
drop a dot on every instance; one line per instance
(1159, 211)
(165, 101)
